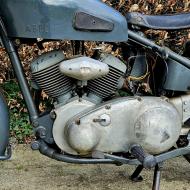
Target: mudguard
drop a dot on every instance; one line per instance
(63, 19)
(4, 126)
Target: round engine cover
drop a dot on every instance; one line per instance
(157, 128)
(64, 113)
(77, 142)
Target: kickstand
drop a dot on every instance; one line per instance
(157, 176)
(136, 177)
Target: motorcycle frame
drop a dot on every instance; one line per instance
(35, 119)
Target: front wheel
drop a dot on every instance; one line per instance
(4, 125)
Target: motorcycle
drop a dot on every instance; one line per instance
(132, 108)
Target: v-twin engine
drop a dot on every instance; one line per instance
(98, 120)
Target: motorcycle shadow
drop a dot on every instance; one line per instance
(31, 170)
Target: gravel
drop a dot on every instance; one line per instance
(28, 170)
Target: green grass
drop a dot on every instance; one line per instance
(19, 119)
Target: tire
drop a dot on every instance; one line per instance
(4, 125)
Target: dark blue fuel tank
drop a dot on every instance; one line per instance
(63, 19)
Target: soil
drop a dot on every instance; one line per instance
(28, 170)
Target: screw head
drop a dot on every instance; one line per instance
(185, 110)
(35, 123)
(185, 103)
(108, 107)
(17, 42)
(35, 145)
(77, 121)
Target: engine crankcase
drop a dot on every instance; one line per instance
(63, 114)
(152, 122)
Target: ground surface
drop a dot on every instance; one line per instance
(29, 170)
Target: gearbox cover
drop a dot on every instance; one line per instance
(150, 122)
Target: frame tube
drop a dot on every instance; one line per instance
(17, 66)
(165, 52)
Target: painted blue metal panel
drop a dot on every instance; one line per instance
(54, 19)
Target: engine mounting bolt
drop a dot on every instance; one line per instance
(35, 145)
(52, 114)
(77, 121)
(108, 107)
(35, 124)
(41, 132)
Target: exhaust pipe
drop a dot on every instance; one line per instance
(52, 153)
(5, 150)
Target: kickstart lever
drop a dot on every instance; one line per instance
(147, 160)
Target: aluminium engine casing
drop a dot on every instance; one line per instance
(114, 126)
(64, 112)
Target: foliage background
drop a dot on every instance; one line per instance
(20, 128)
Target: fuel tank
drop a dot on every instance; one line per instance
(63, 19)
